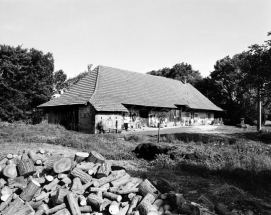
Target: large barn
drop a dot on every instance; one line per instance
(114, 99)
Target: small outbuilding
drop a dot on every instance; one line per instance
(110, 99)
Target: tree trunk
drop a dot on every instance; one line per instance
(158, 203)
(112, 196)
(77, 186)
(17, 207)
(113, 176)
(56, 209)
(114, 208)
(10, 171)
(63, 212)
(95, 201)
(158, 136)
(145, 208)
(52, 185)
(62, 165)
(60, 194)
(124, 210)
(82, 201)
(104, 170)
(30, 190)
(121, 181)
(95, 157)
(74, 207)
(6, 203)
(42, 209)
(146, 187)
(84, 177)
(133, 204)
(85, 166)
(80, 156)
(85, 209)
(43, 195)
(49, 164)
(259, 124)
(26, 167)
(127, 191)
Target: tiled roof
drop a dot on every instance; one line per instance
(109, 89)
(80, 93)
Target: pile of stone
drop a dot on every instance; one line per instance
(42, 183)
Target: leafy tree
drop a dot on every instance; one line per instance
(60, 81)
(26, 81)
(238, 83)
(257, 76)
(182, 72)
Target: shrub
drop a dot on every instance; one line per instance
(164, 161)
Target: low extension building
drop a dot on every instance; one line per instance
(115, 99)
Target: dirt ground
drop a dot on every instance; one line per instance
(193, 129)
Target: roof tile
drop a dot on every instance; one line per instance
(109, 89)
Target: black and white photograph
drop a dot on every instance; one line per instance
(135, 107)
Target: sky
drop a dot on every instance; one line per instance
(135, 35)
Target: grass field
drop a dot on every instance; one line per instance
(234, 169)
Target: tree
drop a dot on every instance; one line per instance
(227, 88)
(26, 81)
(60, 81)
(257, 76)
(182, 72)
(237, 84)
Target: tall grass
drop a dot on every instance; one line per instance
(247, 163)
(109, 145)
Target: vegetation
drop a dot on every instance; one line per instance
(247, 161)
(239, 82)
(60, 81)
(236, 84)
(26, 81)
(19, 132)
(229, 165)
(181, 71)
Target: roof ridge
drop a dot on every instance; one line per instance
(96, 83)
(145, 74)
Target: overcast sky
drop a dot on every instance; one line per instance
(140, 35)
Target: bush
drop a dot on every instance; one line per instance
(135, 138)
(164, 161)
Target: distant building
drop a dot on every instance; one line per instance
(118, 99)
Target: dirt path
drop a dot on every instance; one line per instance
(209, 129)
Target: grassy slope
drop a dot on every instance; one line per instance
(229, 173)
(22, 134)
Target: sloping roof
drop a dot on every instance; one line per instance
(109, 89)
(80, 93)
